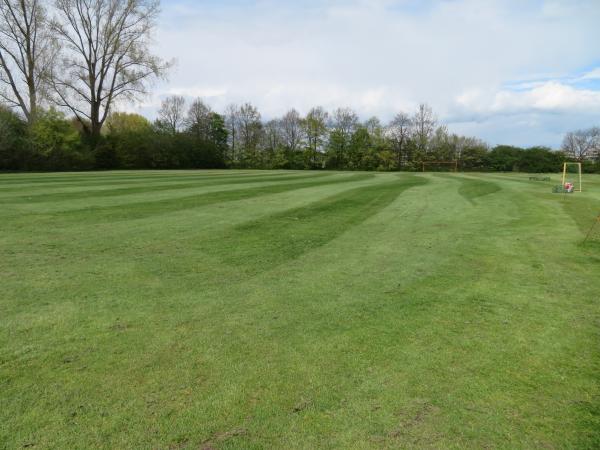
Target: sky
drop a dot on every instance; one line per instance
(509, 72)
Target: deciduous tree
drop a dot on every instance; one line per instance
(399, 131)
(232, 121)
(315, 128)
(25, 54)
(105, 56)
(345, 122)
(171, 115)
(291, 130)
(250, 128)
(199, 119)
(423, 126)
(582, 144)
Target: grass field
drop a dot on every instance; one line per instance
(172, 310)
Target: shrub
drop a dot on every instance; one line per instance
(57, 144)
(13, 155)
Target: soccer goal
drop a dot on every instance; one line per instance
(434, 166)
(572, 176)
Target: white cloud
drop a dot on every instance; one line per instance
(550, 96)
(381, 56)
(591, 75)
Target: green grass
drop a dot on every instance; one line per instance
(226, 309)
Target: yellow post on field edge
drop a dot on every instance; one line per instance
(564, 179)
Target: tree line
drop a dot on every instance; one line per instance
(66, 65)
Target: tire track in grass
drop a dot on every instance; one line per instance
(259, 245)
(140, 210)
(46, 198)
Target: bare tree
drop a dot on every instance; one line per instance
(292, 130)
(250, 128)
(272, 135)
(199, 118)
(424, 125)
(315, 128)
(105, 56)
(582, 144)
(232, 121)
(25, 52)
(171, 114)
(398, 131)
(373, 126)
(345, 122)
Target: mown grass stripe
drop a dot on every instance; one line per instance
(261, 244)
(107, 176)
(92, 181)
(150, 188)
(141, 210)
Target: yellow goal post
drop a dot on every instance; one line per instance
(578, 187)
